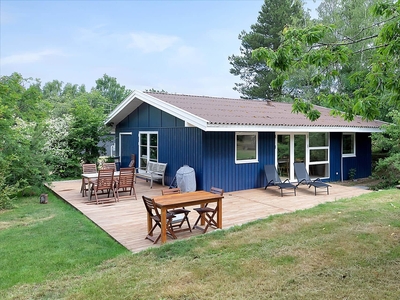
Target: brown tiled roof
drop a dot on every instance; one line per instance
(225, 111)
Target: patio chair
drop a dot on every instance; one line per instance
(273, 179)
(154, 214)
(125, 182)
(104, 182)
(303, 178)
(109, 166)
(180, 213)
(87, 169)
(133, 161)
(208, 212)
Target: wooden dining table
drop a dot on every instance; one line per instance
(171, 201)
(91, 176)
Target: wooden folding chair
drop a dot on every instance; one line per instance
(104, 182)
(154, 214)
(109, 166)
(181, 214)
(208, 212)
(87, 169)
(125, 182)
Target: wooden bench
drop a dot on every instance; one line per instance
(154, 171)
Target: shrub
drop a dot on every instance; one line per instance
(388, 170)
(8, 192)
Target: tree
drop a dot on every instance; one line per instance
(61, 96)
(75, 138)
(274, 15)
(110, 89)
(87, 131)
(388, 169)
(153, 90)
(351, 18)
(302, 47)
(22, 116)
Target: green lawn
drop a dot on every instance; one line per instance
(348, 249)
(45, 241)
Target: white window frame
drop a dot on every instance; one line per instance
(246, 161)
(148, 147)
(354, 145)
(321, 162)
(307, 152)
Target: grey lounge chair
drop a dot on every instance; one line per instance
(273, 179)
(303, 178)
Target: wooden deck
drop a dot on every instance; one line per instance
(125, 221)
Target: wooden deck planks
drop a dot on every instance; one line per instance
(126, 221)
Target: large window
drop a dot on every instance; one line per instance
(246, 147)
(319, 154)
(349, 144)
(148, 148)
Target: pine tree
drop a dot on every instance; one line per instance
(273, 17)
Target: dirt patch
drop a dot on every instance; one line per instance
(368, 182)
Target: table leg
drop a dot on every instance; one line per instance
(163, 225)
(83, 187)
(89, 192)
(202, 218)
(219, 213)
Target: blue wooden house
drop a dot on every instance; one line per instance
(228, 141)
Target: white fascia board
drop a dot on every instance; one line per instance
(256, 128)
(120, 107)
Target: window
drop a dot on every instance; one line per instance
(349, 144)
(148, 148)
(319, 154)
(246, 147)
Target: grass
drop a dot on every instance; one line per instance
(44, 241)
(348, 249)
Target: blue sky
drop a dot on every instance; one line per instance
(179, 46)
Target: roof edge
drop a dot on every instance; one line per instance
(259, 128)
(160, 104)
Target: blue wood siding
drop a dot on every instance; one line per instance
(129, 148)
(362, 162)
(181, 146)
(220, 169)
(335, 153)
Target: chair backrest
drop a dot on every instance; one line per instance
(89, 168)
(105, 179)
(150, 207)
(153, 167)
(300, 172)
(109, 166)
(272, 174)
(133, 161)
(216, 190)
(171, 191)
(126, 177)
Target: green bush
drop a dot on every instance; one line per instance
(388, 170)
(8, 192)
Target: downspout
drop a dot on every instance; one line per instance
(341, 157)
